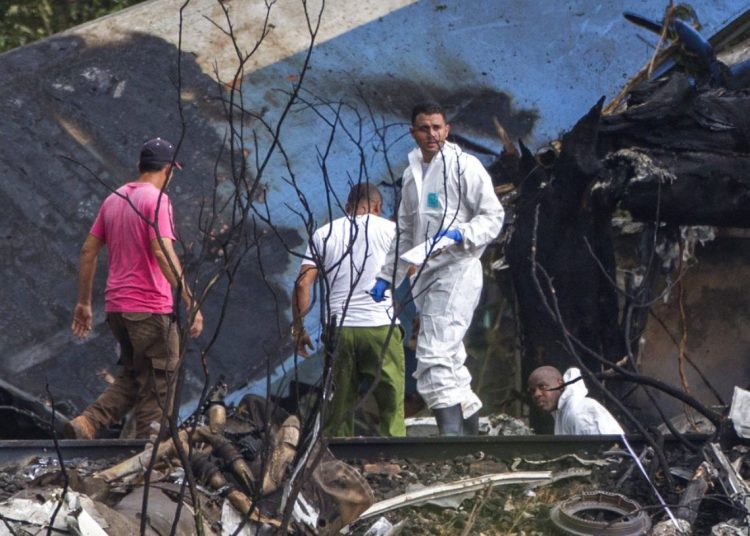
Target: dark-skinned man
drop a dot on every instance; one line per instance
(564, 396)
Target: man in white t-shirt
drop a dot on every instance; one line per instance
(345, 256)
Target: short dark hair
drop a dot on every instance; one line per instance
(149, 167)
(426, 107)
(363, 191)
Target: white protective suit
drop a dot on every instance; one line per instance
(577, 414)
(456, 192)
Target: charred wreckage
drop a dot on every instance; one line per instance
(673, 156)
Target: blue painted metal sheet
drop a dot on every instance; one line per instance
(536, 66)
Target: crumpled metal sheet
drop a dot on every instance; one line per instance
(161, 513)
(78, 514)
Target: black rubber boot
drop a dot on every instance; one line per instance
(471, 425)
(450, 420)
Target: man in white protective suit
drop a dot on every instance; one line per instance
(446, 193)
(573, 411)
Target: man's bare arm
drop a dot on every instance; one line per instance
(300, 307)
(83, 315)
(171, 267)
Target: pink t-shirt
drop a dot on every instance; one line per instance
(135, 283)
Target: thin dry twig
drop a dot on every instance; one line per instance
(478, 505)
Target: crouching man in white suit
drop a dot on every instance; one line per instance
(573, 411)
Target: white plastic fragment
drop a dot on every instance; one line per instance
(84, 525)
(305, 512)
(380, 527)
(231, 519)
(740, 412)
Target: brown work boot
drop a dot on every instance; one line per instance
(79, 428)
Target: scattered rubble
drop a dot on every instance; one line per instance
(239, 474)
(242, 470)
(527, 508)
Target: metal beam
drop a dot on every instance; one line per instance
(370, 448)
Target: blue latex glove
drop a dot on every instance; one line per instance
(453, 234)
(378, 291)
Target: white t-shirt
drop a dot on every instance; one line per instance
(352, 253)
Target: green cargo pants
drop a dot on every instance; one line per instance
(360, 354)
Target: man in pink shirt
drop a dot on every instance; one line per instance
(135, 223)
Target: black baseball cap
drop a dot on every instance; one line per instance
(158, 151)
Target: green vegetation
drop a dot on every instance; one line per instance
(25, 21)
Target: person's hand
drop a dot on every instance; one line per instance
(378, 291)
(302, 343)
(301, 339)
(197, 327)
(82, 320)
(453, 234)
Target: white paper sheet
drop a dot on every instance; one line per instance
(419, 253)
